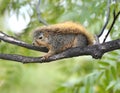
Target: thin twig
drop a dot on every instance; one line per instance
(114, 13)
(107, 19)
(115, 16)
(113, 22)
(115, 1)
(39, 14)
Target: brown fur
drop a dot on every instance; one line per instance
(61, 36)
(67, 28)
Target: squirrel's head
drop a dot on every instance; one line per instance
(40, 38)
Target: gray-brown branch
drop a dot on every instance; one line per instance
(96, 51)
(107, 19)
(12, 40)
(40, 19)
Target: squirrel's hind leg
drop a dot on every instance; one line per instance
(80, 40)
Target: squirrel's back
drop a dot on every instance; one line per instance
(68, 28)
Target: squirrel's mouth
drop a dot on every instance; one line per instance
(38, 44)
(41, 44)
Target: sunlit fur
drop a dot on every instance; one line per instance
(67, 28)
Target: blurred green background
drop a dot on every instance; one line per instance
(74, 75)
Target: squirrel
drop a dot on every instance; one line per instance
(62, 36)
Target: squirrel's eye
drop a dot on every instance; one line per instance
(40, 37)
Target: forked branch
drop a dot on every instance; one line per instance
(96, 51)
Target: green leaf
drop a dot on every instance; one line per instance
(117, 86)
(111, 85)
(107, 75)
(114, 72)
(104, 64)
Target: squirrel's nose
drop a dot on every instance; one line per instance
(33, 43)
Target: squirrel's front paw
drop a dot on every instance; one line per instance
(48, 55)
(45, 57)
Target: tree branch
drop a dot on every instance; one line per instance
(113, 22)
(96, 51)
(107, 19)
(12, 40)
(39, 14)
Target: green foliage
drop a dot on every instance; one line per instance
(75, 75)
(103, 79)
